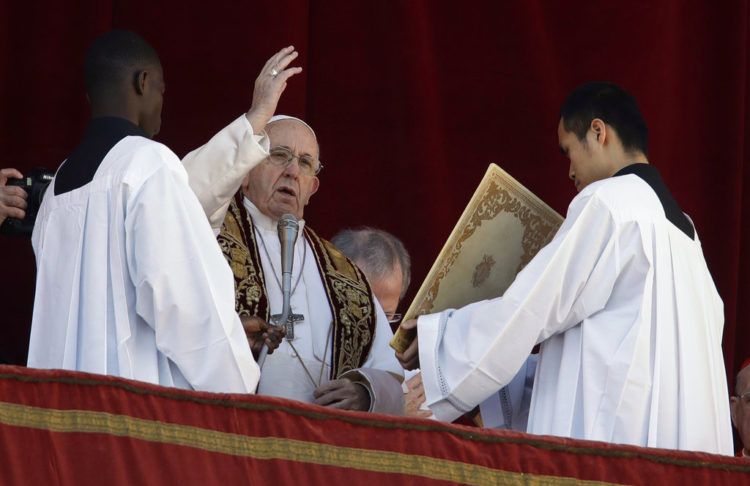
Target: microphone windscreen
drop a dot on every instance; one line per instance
(289, 219)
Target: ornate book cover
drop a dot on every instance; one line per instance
(499, 232)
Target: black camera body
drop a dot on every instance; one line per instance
(35, 183)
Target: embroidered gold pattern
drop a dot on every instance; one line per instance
(482, 271)
(540, 224)
(239, 249)
(349, 294)
(351, 304)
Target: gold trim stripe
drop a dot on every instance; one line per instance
(264, 448)
(34, 377)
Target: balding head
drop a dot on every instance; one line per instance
(382, 258)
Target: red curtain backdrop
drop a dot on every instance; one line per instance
(411, 100)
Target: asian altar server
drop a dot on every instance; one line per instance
(621, 301)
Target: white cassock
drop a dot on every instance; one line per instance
(131, 281)
(629, 322)
(216, 171)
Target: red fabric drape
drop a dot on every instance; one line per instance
(74, 428)
(411, 101)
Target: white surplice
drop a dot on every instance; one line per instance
(131, 281)
(629, 322)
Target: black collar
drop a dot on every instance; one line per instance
(672, 210)
(101, 135)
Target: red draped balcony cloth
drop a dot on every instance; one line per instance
(59, 427)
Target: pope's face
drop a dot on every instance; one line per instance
(586, 162)
(276, 190)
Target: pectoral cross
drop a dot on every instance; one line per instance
(289, 324)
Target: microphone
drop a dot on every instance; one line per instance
(288, 229)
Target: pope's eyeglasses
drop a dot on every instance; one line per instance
(282, 157)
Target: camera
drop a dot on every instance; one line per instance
(35, 183)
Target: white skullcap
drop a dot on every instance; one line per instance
(276, 118)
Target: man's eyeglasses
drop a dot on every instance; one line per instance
(394, 317)
(282, 157)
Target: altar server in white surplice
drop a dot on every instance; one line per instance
(621, 301)
(130, 279)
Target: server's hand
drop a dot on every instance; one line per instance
(409, 359)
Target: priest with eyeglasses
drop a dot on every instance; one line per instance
(334, 351)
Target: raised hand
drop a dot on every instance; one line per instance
(269, 85)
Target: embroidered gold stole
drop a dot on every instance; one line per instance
(349, 294)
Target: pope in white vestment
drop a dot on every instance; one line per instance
(131, 281)
(295, 369)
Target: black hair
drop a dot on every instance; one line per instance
(614, 106)
(114, 57)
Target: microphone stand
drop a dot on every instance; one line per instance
(287, 230)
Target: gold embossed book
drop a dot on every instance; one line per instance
(499, 232)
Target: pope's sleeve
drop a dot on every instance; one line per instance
(381, 373)
(470, 353)
(216, 169)
(184, 287)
